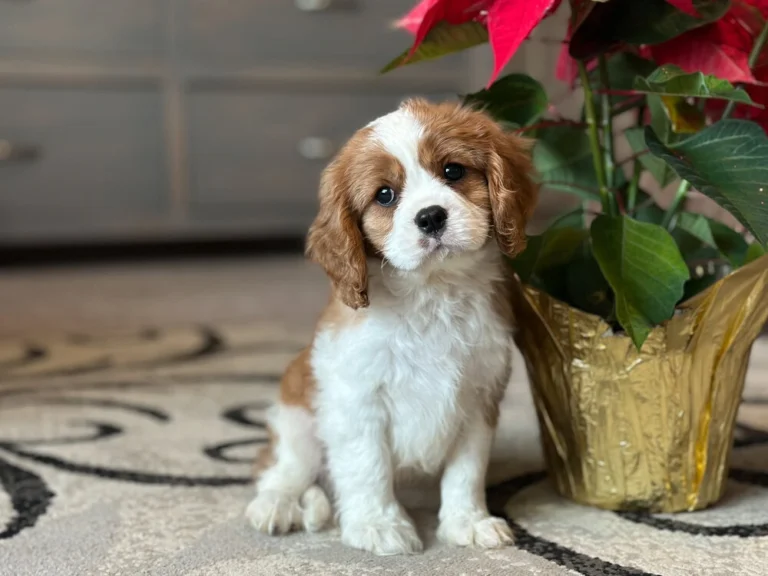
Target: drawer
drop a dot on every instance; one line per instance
(99, 159)
(81, 28)
(262, 153)
(277, 33)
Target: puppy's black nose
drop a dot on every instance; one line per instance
(431, 220)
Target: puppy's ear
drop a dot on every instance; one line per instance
(512, 189)
(335, 240)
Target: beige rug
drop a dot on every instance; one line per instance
(127, 454)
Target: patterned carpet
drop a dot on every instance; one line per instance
(127, 454)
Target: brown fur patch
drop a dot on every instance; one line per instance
(335, 240)
(512, 190)
(379, 169)
(297, 388)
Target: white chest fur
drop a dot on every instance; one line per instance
(418, 358)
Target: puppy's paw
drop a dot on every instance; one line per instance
(386, 535)
(315, 509)
(476, 529)
(274, 512)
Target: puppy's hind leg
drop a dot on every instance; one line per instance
(287, 496)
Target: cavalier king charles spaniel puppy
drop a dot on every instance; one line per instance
(411, 357)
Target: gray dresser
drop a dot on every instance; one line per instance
(168, 119)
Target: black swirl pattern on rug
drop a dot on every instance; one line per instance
(239, 415)
(30, 498)
(499, 496)
(211, 343)
(100, 431)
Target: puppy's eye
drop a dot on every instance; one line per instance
(386, 196)
(453, 172)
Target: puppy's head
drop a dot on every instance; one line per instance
(419, 185)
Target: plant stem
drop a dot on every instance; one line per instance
(607, 122)
(753, 56)
(594, 141)
(637, 167)
(680, 193)
(637, 170)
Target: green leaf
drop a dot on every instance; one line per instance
(516, 98)
(697, 226)
(564, 162)
(754, 252)
(728, 162)
(670, 80)
(613, 23)
(573, 219)
(644, 268)
(693, 236)
(729, 243)
(555, 247)
(647, 210)
(662, 173)
(443, 39)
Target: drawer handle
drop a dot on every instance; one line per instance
(325, 5)
(316, 148)
(10, 152)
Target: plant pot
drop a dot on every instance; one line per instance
(649, 430)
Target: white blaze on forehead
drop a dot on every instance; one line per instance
(399, 133)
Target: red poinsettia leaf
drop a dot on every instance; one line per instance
(509, 23)
(738, 28)
(425, 15)
(412, 21)
(701, 50)
(684, 6)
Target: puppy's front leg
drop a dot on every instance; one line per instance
(464, 518)
(360, 465)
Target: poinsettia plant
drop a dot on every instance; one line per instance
(692, 75)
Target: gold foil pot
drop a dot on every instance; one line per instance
(649, 430)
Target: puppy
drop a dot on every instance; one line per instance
(411, 357)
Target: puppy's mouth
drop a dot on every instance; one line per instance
(437, 248)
